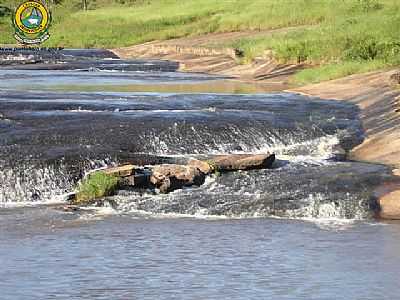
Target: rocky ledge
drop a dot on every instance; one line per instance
(164, 178)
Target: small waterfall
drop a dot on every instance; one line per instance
(306, 190)
(254, 138)
(49, 140)
(30, 183)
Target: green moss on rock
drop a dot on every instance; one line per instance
(96, 185)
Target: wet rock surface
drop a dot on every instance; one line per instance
(242, 162)
(203, 166)
(168, 178)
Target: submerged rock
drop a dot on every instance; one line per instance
(235, 162)
(168, 178)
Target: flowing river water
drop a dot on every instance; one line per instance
(301, 230)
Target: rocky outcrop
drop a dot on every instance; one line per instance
(130, 175)
(203, 166)
(235, 162)
(121, 171)
(168, 178)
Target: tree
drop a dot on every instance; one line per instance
(84, 4)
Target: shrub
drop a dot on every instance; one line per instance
(370, 48)
(4, 11)
(367, 5)
(364, 48)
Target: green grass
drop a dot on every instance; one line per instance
(336, 37)
(95, 186)
(334, 71)
(362, 39)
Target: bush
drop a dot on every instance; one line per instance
(4, 11)
(370, 48)
(367, 5)
(364, 48)
(297, 52)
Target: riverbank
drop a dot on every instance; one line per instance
(335, 38)
(378, 100)
(374, 93)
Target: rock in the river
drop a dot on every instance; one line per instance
(165, 177)
(235, 162)
(168, 178)
(203, 166)
(390, 206)
(130, 175)
(121, 171)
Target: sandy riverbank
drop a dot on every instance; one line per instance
(379, 102)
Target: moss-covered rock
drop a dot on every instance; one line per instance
(96, 185)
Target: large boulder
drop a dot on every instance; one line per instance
(203, 166)
(169, 177)
(234, 162)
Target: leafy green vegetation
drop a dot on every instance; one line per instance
(95, 186)
(334, 37)
(334, 71)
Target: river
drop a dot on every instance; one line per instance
(304, 229)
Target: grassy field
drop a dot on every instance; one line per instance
(336, 37)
